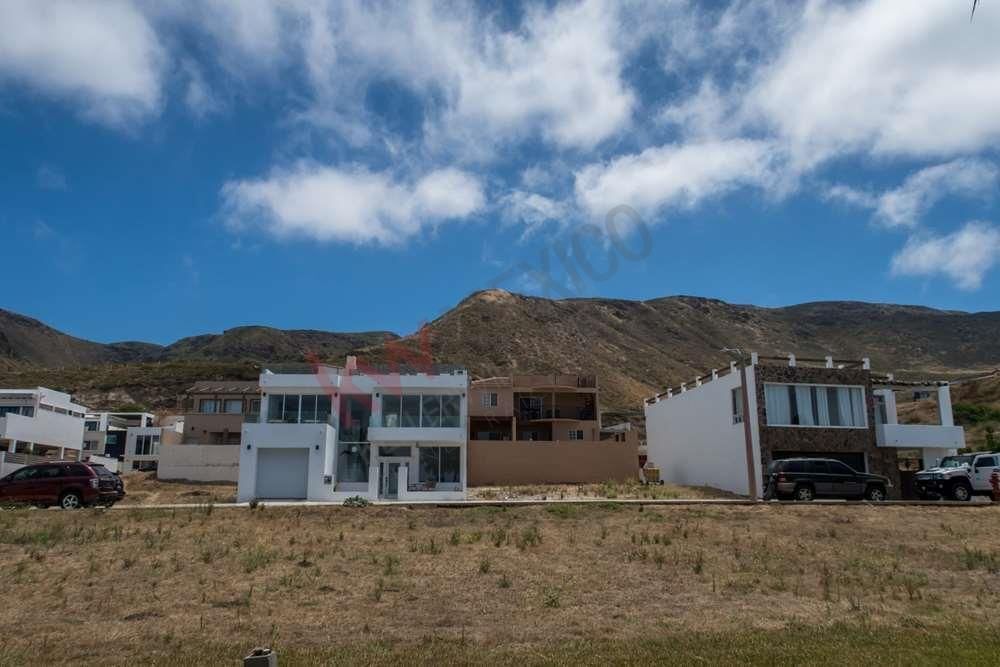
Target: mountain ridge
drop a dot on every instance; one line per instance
(635, 347)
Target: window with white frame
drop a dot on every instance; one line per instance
(421, 410)
(815, 405)
(146, 445)
(576, 435)
(298, 408)
(440, 465)
(491, 399)
(736, 396)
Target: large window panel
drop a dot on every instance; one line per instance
(410, 412)
(451, 465)
(355, 413)
(308, 409)
(451, 411)
(291, 414)
(352, 462)
(430, 464)
(431, 414)
(814, 405)
(390, 410)
(323, 409)
(275, 408)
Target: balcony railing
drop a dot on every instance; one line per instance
(394, 421)
(579, 414)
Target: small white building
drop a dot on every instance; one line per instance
(142, 443)
(105, 432)
(340, 432)
(40, 422)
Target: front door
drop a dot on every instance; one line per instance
(390, 480)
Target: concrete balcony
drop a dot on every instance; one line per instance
(916, 436)
(416, 434)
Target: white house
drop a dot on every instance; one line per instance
(341, 432)
(712, 432)
(105, 432)
(142, 443)
(42, 422)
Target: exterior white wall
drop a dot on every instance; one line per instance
(314, 437)
(200, 463)
(691, 436)
(45, 428)
(321, 439)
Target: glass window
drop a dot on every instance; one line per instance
(410, 412)
(352, 462)
(255, 406)
(233, 406)
(736, 397)
(986, 462)
(91, 426)
(208, 406)
(323, 409)
(818, 467)
(390, 410)
(46, 472)
(309, 409)
(29, 411)
(394, 451)
(808, 405)
(838, 468)
(490, 399)
(291, 412)
(451, 465)
(795, 466)
(355, 413)
(451, 411)
(25, 474)
(275, 407)
(431, 415)
(430, 464)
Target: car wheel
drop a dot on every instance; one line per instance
(875, 494)
(70, 501)
(804, 493)
(961, 492)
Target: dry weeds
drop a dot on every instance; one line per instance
(144, 584)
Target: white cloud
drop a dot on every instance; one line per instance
(532, 209)
(883, 77)
(906, 205)
(963, 256)
(350, 205)
(104, 55)
(674, 175)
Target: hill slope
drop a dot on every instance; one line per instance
(635, 347)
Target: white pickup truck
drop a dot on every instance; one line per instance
(959, 477)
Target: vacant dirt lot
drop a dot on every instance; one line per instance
(144, 489)
(550, 584)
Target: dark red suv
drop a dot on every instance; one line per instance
(65, 483)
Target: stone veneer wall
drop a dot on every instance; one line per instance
(881, 460)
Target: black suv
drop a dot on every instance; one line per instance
(805, 479)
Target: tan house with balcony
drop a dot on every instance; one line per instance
(542, 429)
(215, 411)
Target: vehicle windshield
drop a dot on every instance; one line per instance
(955, 461)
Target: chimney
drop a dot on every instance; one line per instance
(352, 364)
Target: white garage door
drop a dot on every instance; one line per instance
(282, 473)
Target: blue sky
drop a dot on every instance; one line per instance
(174, 168)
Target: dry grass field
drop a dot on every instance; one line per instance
(145, 489)
(555, 584)
(610, 490)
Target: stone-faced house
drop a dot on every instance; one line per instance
(706, 432)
